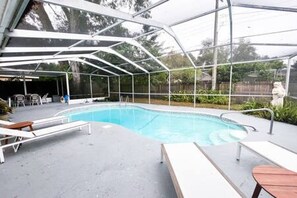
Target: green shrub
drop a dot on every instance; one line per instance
(4, 108)
(287, 113)
(215, 97)
(181, 98)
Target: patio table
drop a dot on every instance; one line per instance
(278, 182)
(20, 125)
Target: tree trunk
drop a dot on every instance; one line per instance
(45, 20)
(73, 28)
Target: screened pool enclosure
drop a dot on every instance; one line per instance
(161, 52)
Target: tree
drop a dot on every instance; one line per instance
(261, 71)
(176, 60)
(265, 71)
(244, 52)
(49, 17)
(205, 56)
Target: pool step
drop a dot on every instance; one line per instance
(225, 136)
(215, 138)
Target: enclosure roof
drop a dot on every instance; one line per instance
(128, 38)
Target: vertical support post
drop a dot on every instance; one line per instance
(91, 87)
(67, 87)
(195, 84)
(119, 88)
(288, 76)
(149, 88)
(231, 50)
(169, 89)
(215, 50)
(62, 87)
(108, 86)
(25, 85)
(9, 104)
(57, 82)
(230, 87)
(133, 89)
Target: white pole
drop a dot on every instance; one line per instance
(62, 87)
(108, 86)
(288, 76)
(169, 88)
(215, 50)
(133, 89)
(119, 88)
(230, 87)
(149, 88)
(67, 87)
(195, 84)
(57, 82)
(25, 85)
(91, 87)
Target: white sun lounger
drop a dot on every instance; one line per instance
(272, 152)
(60, 119)
(194, 174)
(38, 134)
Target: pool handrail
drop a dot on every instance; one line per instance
(253, 110)
(127, 100)
(122, 100)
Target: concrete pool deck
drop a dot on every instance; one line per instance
(115, 162)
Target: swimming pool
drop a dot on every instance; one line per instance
(167, 127)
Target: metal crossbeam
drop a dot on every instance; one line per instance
(9, 15)
(42, 57)
(33, 62)
(135, 43)
(47, 49)
(107, 63)
(96, 66)
(101, 10)
(264, 7)
(58, 35)
(111, 51)
(171, 33)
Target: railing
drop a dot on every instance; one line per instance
(122, 99)
(127, 100)
(253, 110)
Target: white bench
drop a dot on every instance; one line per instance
(194, 174)
(272, 152)
(23, 136)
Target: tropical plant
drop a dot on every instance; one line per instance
(4, 108)
(287, 113)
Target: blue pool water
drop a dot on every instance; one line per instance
(167, 127)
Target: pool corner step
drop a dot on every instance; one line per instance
(232, 135)
(215, 139)
(226, 136)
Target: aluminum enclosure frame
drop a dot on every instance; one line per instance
(126, 17)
